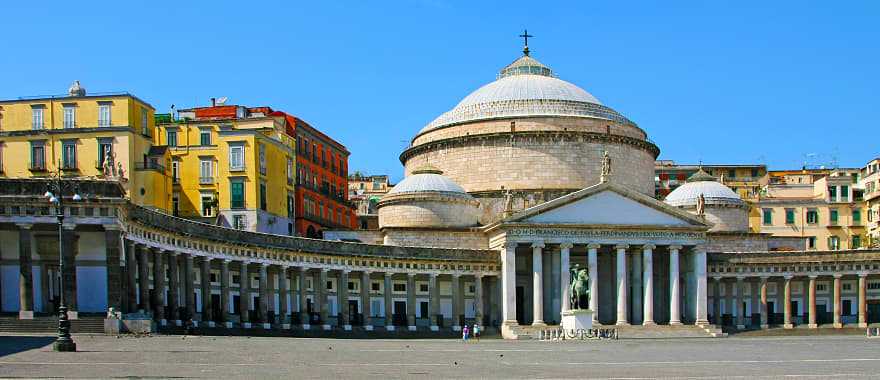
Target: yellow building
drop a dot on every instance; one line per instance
(824, 206)
(871, 183)
(233, 171)
(99, 136)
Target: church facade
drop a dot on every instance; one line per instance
(526, 178)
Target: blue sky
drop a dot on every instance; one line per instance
(717, 81)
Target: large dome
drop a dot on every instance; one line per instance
(702, 183)
(525, 88)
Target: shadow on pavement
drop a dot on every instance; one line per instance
(14, 344)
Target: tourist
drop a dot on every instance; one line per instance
(477, 332)
(464, 334)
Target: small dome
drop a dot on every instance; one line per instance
(702, 183)
(427, 179)
(76, 90)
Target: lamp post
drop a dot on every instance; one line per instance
(55, 194)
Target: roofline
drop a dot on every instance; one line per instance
(320, 134)
(39, 98)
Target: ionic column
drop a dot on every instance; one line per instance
(159, 286)
(411, 301)
(648, 279)
(207, 309)
(763, 290)
(143, 279)
(635, 283)
(702, 297)
(837, 322)
(537, 285)
(674, 286)
(434, 302)
(304, 317)
(174, 287)
(321, 287)
(131, 275)
(342, 300)
(716, 301)
(457, 301)
(621, 284)
(389, 302)
(786, 306)
(564, 276)
(508, 283)
(224, 293)
(263, 315)
(863, 302)
(244, 295)
(189, 287)
(26, 274)
(740, 293)
(478, 298)
(812, 303)
(593, 270)
(282, 297)
(365, 301)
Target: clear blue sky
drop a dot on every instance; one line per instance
(723, 82)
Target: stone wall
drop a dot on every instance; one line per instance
(736, 242)
(538, 161)
(532, 124)
(405, 211)
(362, 236)
(436, 238)
(727, 218)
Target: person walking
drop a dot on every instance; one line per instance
(464, 334)
(477, 332)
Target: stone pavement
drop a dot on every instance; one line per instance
(242, 357)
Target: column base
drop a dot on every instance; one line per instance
(765, 327)
(838, 325)
(368, 328)
(306, 326)
(456, 328)
(64, 346)
(326, 327)
(622, 323)
(435, 328)
(649, 323)
(163, 322)
(212, 324)
(863, 325)
(411, 328)
(539, 323)
(675, 323)
(812, 326)
(228, 325)
(507, 329)
(740, 327)
(30, 315)
(246, 325)
(267, 326)
(178, 322)
(72, 315)
(702, 322)
(346, 327)
(389, 328)
(788, 326)
(285, 326)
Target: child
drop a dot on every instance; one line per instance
(464, 334)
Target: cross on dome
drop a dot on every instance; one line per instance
(525, 37)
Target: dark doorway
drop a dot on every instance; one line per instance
(772, 317)
(794, 312)
(236, 304)
(399, 313)
(520, 308)
(354, 313)
(216, 309)
(873, 312)
(423, 309)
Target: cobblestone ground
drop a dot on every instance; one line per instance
(242, 357)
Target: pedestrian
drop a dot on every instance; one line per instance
(464, 334)
(477, 332)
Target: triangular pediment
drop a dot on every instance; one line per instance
(607, 204)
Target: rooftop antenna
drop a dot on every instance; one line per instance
(222, 101)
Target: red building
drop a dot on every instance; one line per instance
(321, 181)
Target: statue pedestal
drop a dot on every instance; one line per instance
(577, 319)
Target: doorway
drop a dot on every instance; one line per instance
(354, 316)
(400, 313)
(520, 308)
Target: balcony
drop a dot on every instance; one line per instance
(239, 168)
(206, 180)
(153, 166)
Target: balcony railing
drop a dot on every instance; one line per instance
(206, 180)
(37, 167)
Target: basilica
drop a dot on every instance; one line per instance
(525, 178)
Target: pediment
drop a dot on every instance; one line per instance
(607, 204)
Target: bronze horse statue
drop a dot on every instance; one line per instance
(580, 287)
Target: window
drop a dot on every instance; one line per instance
(103, 114)
(399, 287)
(856, 216)
(236, 157)
(68, 155)
(375, 286)
(290, 205)
(239, 222)
(812, 216)
(263, 196)
(175, 171)
(105, 147)
(289, 171)
(205, 137)
(262, 153)
(856, 242)
(789, 216)
(833, 217)
(37, 117)
(754, 173)
(833, 243)
(175, 204)
(38, 156)
(144, 125)
(768, 216)
(206, 171)
(844, 193)
(207, 204)
(731, 173)
(69, 116)
(832, 193)
(171, 136)
(811, 242)
(236, 191)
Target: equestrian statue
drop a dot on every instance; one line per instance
(580, 288)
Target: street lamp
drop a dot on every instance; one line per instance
(55, 195)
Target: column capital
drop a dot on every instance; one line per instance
(346, 271)
(837, 275)
(740, 278)
(716, 278)
(68, 226)
(112, 227)
(863, 275)
(813, 276)
(676, 247)
(594, 246)
(566, 245)
(510, 245)
(410, 274)
(226, 261)
(478, 276)
(171, 252)
(649, 246)
(621, 246)
(538, 244)
(788, 277)
(24, 226)
(764, 277)
(323, 270)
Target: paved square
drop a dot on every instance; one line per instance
(242, 357)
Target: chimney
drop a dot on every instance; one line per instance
(213, 102)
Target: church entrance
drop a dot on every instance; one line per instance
(520, 305)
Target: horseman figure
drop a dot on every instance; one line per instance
(580, 288)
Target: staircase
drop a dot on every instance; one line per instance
(640, 332)
(49, 325)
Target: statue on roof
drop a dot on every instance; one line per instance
(606, 167)
(701, 205)
(508, 202)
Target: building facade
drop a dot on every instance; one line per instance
(745, 180)
(870, 182)
(365, 191)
